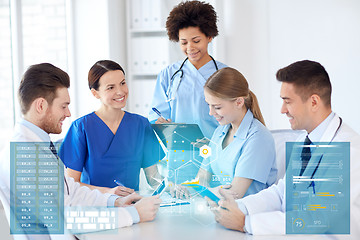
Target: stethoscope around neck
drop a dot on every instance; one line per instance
(171, 91)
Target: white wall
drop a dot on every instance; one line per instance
(256, 37)
(245, 39)
(262, 36)
(99, 33)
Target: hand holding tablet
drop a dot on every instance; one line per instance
(203, 191)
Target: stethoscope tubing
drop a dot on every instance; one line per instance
(181, 75)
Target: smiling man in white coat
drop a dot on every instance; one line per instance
(44, 100)
(306, 94)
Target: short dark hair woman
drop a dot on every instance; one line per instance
(108, 147)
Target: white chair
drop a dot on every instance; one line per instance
(282, 136)
(5, 205)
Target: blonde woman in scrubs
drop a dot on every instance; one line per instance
(242, 148)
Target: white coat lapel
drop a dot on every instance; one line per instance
(331, 130)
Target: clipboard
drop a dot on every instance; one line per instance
(161, 188)
(178, 136)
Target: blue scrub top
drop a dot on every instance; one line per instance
(189, 105)
(250, 155)
(91, 148)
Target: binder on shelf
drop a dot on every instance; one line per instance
(158, 58)
(155, 14)
(146, 7)
(143, 95)
(147, 54)
(137, 55)
(135, 17)
(146, 14)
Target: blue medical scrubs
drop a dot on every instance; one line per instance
(91, 147)
(188, 106)
(250, 155)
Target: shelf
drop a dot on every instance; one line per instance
(148, 49)
(148, 30)
(144, 75)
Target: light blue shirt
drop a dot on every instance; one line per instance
(318, 132)
(44, 136)
(189, 104)
(250, 155)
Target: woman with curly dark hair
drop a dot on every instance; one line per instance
(179, 94)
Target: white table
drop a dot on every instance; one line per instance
(169, 226)
(185, 225)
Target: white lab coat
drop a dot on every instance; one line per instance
(266, 209)
(79, 195)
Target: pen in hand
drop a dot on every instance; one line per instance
(121, 190)
(119, 183)
(159, 114)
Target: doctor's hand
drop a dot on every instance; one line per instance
(179, 191)
(148, 207)
(227, 212)
(162, 120)
(121, 191)
(128, 200)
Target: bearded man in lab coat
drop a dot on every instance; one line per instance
(44, 101)
(306, 94)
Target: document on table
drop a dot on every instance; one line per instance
(168, 201)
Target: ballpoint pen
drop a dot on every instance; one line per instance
(158, 113)
(171, 204)
(118, 183)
